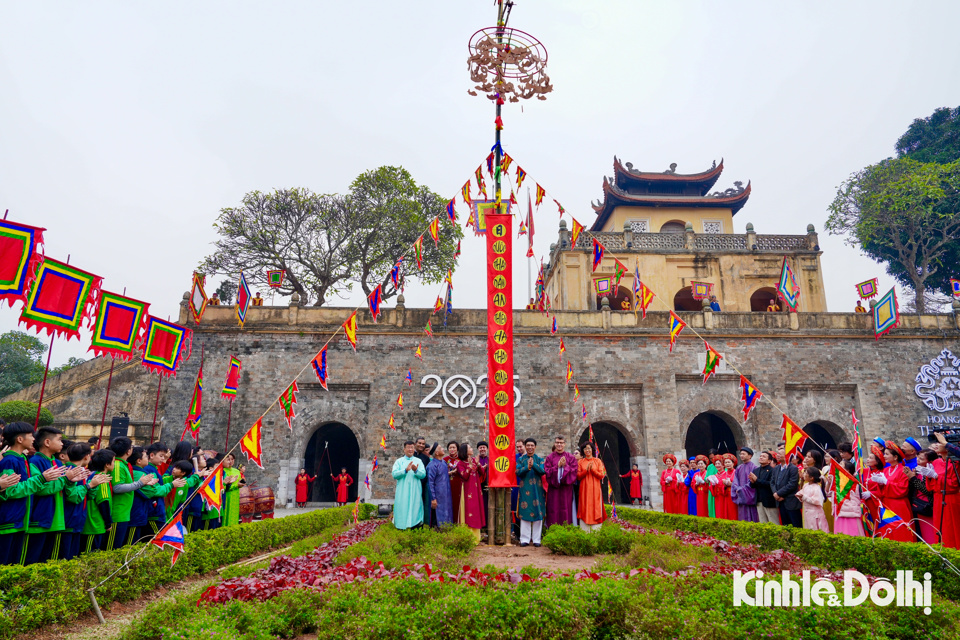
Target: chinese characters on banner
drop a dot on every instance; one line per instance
(502, 470)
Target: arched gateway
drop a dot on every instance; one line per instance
(613, 449)
(713, 430)
(331, 447)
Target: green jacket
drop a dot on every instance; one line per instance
(95, 524)
(55, 489)
(122, 502)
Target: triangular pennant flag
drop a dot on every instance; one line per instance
(749, 397)
(232, 383)
(434, 229)
(490, 164)
(521, 174)
(400, 400)
(843, 483)
(540, 194)
(522, 231)
(383, 442)
(244, 300)
(676, 326)
(456, 254)
(195, 412)
(597, 254)
(419, 352)
(366, 481)
(392, 423)
(505, 163)
(396, 275)
(575, 233)
(569, 372)
(429, 328)
(553, 326)
(375, 299)
(320, 367)
(560, 207)
(438, 305)
(583, 411)
(562, 348)
(793, 436)
(287, 400)
(710, 366)
(452, 211)
(465, 193)
(418, 251)
(576, 392)
(787, 288)
(250, 443)
(409, 377)
(350, 329)
(173, 535)
(513, 198)
(642, 296)
(375, 465)
(211, 489)
(481, 185)
(619, 272)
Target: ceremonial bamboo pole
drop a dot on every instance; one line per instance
(43, 387)
(226, 444)
(103, 418)
(156, 406)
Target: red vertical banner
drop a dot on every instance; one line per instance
(503, 465)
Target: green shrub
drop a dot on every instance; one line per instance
(569, 540)
(447, 549)
(645, 606)
(881, 558)
(23, 411)
(611, 538)
(56, 591)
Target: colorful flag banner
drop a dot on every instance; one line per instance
(500, 392)
(211, 489)
(19, 259)
(383, 442)
(576, 392)
(375, 465)
(119, 326)
(793, 436)
(167, 345)
(250, 443)
(553, 326)
(603, 286)
(366, 481)
(434, 230)
(701, 290)
(886, 313)
(857, 445)
(713, 360)
(287, 400)
(575, 233)
(540, 194)
(350, 329)
(452, 211)
(521, 174)
(60, 299)
(749, 397)
(787, 289)
(374, 300)
(400, 400)
(676, 326)
(409, 377)
(560, 208)
(583, 412)
(562, 348)
(392, 422)
(955, 287)
(320, 367)
(618, 273)
(569, 372)
(396, 275)
(418, 252)
(232, 384)
(642, 296)
(597, 253)
(275, 277)
(198, 298)
(888, 518)
(505, 163)
(195, 412)
(172, 535)
(244, 298)
(843, 483)
(465, 193)
(438, 305)
(868, 288)
(481, 185)
(419, 352)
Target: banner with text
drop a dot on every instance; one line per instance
(502, 470)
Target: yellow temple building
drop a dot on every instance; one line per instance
(677, 232)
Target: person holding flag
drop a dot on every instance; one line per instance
(847, 519)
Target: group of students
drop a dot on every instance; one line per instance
(921, 486)
(439, 486)
(60, 499)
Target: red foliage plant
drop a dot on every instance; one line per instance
(317, 570)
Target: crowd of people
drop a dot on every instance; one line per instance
(438, 486)
(60, 499)
(920, 485)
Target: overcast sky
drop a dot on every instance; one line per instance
(125, 127)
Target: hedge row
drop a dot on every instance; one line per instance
(56, 592)
(881, 558)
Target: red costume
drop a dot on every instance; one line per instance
(471, 499)
(303, 486)
(671, 494)
(636, 484)
(950, 531)
(722, 497)
(703, 506)
(895, 497)
(683, 494)
(343, 481)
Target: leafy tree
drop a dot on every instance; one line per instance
(226, 291)
(897, 212)
(23, 411)
(329, 243)
(21, 363)
(70, 364)
(933, 139)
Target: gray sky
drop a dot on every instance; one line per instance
(125, 127)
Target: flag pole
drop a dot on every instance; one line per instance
(529, 258)
(103, 418)
(226, 444)
(156, 406)
(43, 387)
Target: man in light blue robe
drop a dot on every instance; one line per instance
(438, 479)
(408, 471)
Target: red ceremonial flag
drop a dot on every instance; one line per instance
(250, 443)
(287, 400)
(350, 329)
(211, 489)
(540, 194)
(320, 367)
(793, 435)
(60, 299)
(232, 385)
(575, 233)
(195, 412)
(435, 231)
(19, 259)
(172, 535)
(375, 299)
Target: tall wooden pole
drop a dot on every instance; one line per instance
(155, 408)
(103, 418)
(226, 445)
(43, 387)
